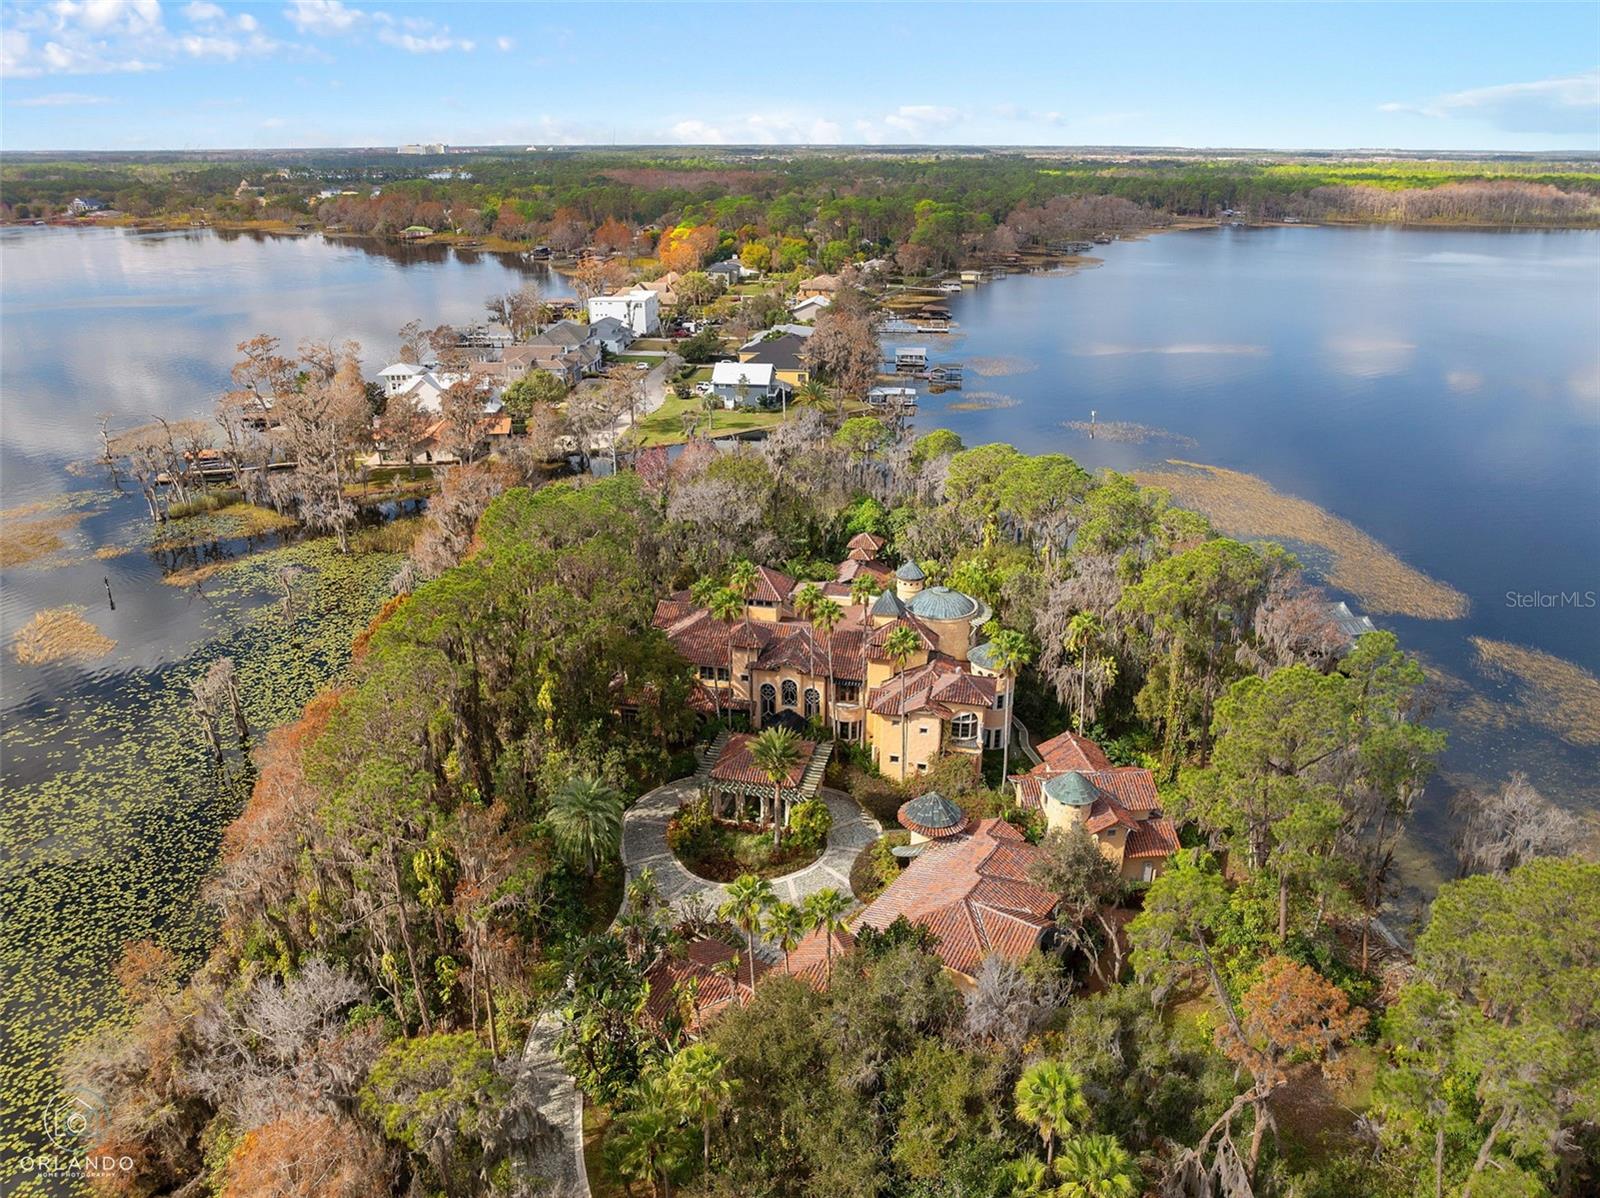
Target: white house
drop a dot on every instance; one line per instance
(427, 387)
(639, 309)
(612, 333)
(747, 384)
(396, 377)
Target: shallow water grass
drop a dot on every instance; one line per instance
(59, 634)
(1244, 505)
(981, 401)
(25, 542)
(1548, 691)
(1001, 365)
(1125, 432)
(114, 810)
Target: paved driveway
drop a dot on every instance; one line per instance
(644, 846)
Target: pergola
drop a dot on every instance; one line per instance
(729, 771)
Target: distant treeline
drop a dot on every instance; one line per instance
(941, 202)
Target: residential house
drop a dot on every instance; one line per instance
(971, 890)
(666, 287)
(83, 205)
(692, 989)
(785, 353)
(728, 272)
(1075, 785)
(745, 385)
(817, 285)
(639, 309)
(948, 696)
(811, 307)
(777, 330)
(426, 384)
(613, 335)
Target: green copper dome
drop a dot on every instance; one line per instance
(910, 572)
(1073, 790)
(941, 603)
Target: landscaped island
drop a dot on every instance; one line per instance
(1150, 790)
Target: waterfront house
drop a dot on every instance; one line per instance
(748, 384)
(785, 353)
(892, 397)
(1075, 785)
(910, 358)
(948, 696)
(639, 309)
(613, 335)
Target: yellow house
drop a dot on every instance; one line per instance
(784, 354)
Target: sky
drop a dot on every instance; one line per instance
(146, 75)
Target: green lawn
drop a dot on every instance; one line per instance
(664, 426)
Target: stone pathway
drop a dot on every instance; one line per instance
(559, 1169)
(644, 846)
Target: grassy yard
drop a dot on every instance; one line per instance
(664, 426)
(726, 851)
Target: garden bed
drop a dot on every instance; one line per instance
(725, 851)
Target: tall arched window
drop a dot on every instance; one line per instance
(964, 726)
(813, 702)
(769, 699)
(791, 693)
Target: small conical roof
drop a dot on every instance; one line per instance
(932, 815)
(909, 571)
(1073, 790)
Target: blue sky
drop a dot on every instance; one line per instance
(140, 74)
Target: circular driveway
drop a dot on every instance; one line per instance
(644, 846)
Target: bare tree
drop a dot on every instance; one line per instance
(1502, 829)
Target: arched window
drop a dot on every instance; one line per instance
(791, 693)
(813, 702)
(769, 699)
(964, 726)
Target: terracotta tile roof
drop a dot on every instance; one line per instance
(809, 959)
(702, 640)
(735, 764)
(1131, 785)
(772, 586)
(973, 894)
(1155, 837)
(879, 636)
(715, 991)
(1070, 752)
(852, 568)
(1106, 813)
(932, 687)
(866, 546)
(793, 646)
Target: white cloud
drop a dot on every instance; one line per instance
(758, 129)
(505, 43)
(90, 37)
(1562, 104)
(918, 120)
(61, 100)
(201, 12)
(322, 16)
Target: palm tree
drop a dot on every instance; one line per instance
(776, 752)
(1029, 1178)
(826, 909)
(785, 926)
(1050, 1098)
(1010, 651)
(645, 1140)
(726, 607)
(1097, 1167)
(902, 644)
(699, 1076)
(749, 897)
(586, 820)
(813, 393)
(806, 600)
(825, 617)
(863, 589)
(1084, 631)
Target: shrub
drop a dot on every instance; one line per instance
(876, 866)
(810, 822)
(686, 831)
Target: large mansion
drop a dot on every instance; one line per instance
(945, 697)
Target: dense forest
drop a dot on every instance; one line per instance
(429, 866)
(826, 207)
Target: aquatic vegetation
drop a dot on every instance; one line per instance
(1001, 365)
(107, 552)
(59, 634)
(23, 542)
(981, 401)
(1244, 505)
(1551, 692)
(1125, 432)
(114, 811)
(236, 520)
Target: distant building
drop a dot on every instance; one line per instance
(83, 205)
(431, 147)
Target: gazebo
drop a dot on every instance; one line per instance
(730, 771)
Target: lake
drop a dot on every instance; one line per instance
(1438, 391)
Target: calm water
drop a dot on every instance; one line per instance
(1439, 390)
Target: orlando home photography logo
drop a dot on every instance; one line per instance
(75, 1121)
